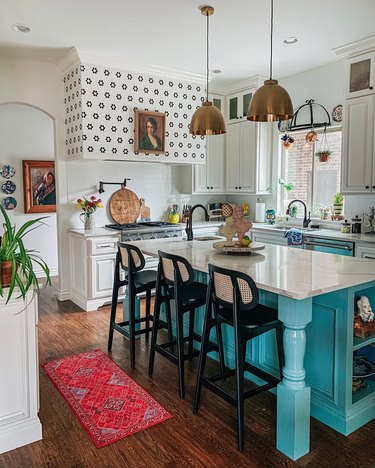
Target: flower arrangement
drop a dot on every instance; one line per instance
(89, 206)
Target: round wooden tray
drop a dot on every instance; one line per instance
(124, 206)
(237, 249)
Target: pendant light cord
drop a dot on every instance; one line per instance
(271, 39)
(207, 67)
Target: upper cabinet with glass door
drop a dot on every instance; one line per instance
(360, 75)
(237, 105)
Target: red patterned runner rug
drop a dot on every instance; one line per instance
(107, 402)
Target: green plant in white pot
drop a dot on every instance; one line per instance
(338, 204)
(17, 262)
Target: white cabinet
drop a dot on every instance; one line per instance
(360, 79)
(209, 177)
(240, 158)
(237, 106)
(92, 260)
(358, 168)
(365, 251)
(19, 368)
(276, 238)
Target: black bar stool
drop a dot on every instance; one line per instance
(175, 280)
(234, 297)
(130, 258)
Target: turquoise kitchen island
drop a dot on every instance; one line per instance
(315, 294)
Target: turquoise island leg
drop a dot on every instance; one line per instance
(293, 396)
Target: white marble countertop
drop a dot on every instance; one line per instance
(296, 273)
(326, 233)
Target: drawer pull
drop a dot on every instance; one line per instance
(368, 256)
(105, 246)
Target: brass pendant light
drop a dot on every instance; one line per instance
(271, 101)
(207, 120)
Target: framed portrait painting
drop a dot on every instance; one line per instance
(39, 186)
(149, 132)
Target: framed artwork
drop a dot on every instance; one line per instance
(149, 132)
(39, 186)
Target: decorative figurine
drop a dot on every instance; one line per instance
(270, 216)
(241, 224)
(228, 230)
(365, 310)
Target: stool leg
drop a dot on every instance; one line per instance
(191, 331)
(180, 352)
(155, 328)
(202, 357)
(148, 313)
(116, 286)
(240, 349)
(169, 323)
(219, 337)
(132, 328)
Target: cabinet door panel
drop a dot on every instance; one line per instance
(215, 163)
(360, 75)
(232, 158)
(247, 157)
(357, 145)
(102, 270)
(200, 176)
(246, 98)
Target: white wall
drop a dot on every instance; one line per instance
(27, 133)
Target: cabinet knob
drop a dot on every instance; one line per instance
(240, 188)
(370, 87)
(236, 188)
(207, 188)
(373, 186)
(367, 187)
(212, 188)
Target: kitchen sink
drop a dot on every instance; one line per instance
(206, 238)
(284, 228)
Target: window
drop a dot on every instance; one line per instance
(314, 182)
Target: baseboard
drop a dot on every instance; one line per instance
(20, 435)
(63, 295)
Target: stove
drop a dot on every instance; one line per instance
(144, 225)
(147, 230)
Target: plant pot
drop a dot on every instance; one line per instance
(323, 157)
(6, 273)
(337, 208)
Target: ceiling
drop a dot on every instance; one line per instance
(172, 33)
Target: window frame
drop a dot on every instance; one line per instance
(282, 163)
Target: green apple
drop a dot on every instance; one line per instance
(246, 241)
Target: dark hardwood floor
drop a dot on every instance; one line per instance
(186, 440)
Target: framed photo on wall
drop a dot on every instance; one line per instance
(39, 186)
(149, 132)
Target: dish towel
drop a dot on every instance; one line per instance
(294, 236)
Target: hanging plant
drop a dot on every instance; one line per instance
(324, 152)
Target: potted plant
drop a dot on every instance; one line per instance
(16, 261)
(338, 205)
(323, 155)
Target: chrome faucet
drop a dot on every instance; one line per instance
(189, 222)
(306, 220)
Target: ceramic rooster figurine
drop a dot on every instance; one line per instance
(228, 230)
(241, 225)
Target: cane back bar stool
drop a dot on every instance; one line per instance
(130, 258)
(234, 297)
(175, 280)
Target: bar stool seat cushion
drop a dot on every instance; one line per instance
(260, 315)
(144, 278)
(192, 292)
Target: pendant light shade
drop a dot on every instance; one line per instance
(271, 101)
(207, 120)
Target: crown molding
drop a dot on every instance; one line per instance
(70, 60)
(127, 64)
(355, 48)
(238, 86)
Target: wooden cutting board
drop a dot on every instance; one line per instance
(124, 206)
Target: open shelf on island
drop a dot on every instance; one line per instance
(359, 343)
(364, 392)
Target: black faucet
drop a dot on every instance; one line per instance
(189, 222)
(306, 220)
